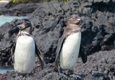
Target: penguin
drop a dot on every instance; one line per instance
(68, 49)
(25, 48)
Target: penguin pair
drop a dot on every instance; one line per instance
(25, 49)
(67, 51)
(69, 45)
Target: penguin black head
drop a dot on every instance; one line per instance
(23, 25)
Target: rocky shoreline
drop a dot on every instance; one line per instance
(49, 21)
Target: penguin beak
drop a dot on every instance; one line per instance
(78, 19)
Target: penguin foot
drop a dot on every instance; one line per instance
(67, 72)
(56, 68)
(21, 74)
(70, 72)
(43, 65)
(84, 58)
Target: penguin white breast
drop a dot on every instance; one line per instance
(70, 51)
(24, 56)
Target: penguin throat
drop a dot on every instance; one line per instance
(23, 33)
(72, 29)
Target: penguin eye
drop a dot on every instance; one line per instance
(21, 26)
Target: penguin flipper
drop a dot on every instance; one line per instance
(13, 47)
(39, 55)
(58, 50)
(83, 55)
(12, 51)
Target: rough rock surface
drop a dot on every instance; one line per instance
(97, 25)
(19, 10)
(100, 66)
(49, 21)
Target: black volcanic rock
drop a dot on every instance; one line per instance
(49, 22)
(19, 10)
(96, 26)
